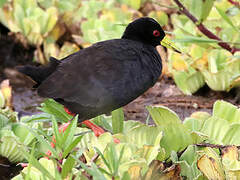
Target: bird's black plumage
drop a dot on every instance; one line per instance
(105, 76)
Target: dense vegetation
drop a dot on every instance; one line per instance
(202, 146)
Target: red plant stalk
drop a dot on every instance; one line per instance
(204, 30)
(235, 3)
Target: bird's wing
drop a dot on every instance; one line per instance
(95, 76)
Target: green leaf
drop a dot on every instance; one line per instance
(136, 4)
(37, 164)
(52, 107)
(27, 26)
(227, 111)
(41, 117)
(196, 120)
(210, 165)
(121, 155)
(187, 82)
(52, 19)
(195, 39)
(97, 175)
(217, 60)
(187, 162)
(226, 18)
(176, 136)
(22, 132)
(216, 129)
(68, 135)
(232, 135)
(104, 121)
(196, 8)
(90, 140)
(104, 160)
(112, 157)
(19, 15)
(71, 146)
(11, 148)
(2, 100)
(231, 162)
(58, 136)
(67, 166)
(117, 120)
(160, 16)
(195, 125)
(43, 141)
(2, 2)
(130, 125)
(3, 121)
(162, 115)
(219, 81)
(206, 9)
(143, 135)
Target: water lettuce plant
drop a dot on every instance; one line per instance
(171, 148)
(209, 40)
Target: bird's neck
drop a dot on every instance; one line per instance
(156, 63)
(131, 37)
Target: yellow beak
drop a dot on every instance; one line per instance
(170, 45)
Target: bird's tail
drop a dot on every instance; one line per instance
(39, 74)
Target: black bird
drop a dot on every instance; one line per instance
(106, 75)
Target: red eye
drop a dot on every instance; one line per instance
(156, 33)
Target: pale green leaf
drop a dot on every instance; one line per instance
(187, 82)
(232, 135)
(206, 9)
(11, 148)
(2, 2)
(52, 15)
(219, 81)
(196, 8)
(226, 18)
(117, 120)
(195, 39)
(216, 129)
(226, 110)
(2, 100)
(162, 115)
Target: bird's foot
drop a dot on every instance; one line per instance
(96, 129)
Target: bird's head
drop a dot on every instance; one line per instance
(145, 30)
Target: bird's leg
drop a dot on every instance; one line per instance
(96, 129)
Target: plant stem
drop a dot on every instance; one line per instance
(214, 145)
(203, 28)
